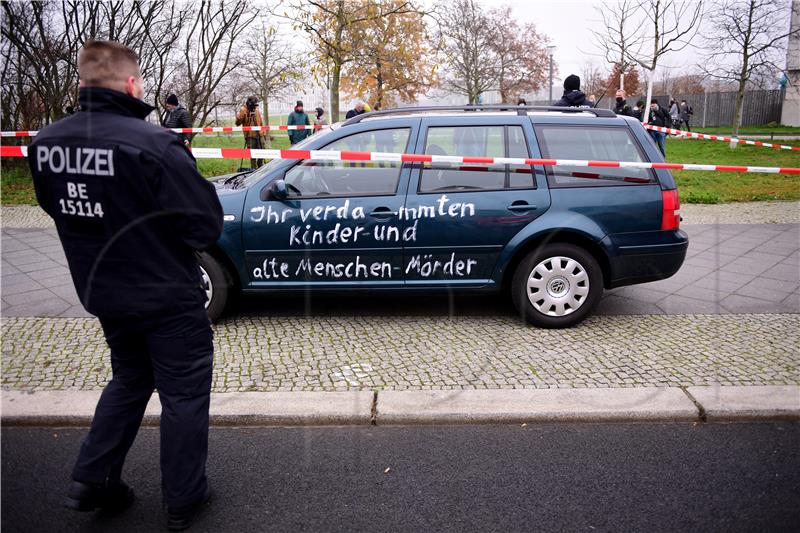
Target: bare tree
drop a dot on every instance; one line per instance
(276, 66)
(44, 56)
(743, 42)
(621, 34)
(44, 39)
(641, 32)
(593, 79)
(209, 53)
(520, 54)
(467, 36)
(670, 26)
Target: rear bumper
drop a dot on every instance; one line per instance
(643, 263)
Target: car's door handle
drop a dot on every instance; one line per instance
(381, 212)
(519, 207)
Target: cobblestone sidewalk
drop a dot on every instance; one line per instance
(289, 353)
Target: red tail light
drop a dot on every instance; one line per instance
(670, 214)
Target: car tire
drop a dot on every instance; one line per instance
(557, 285)
(216, 283)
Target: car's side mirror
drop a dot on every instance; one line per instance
(275, 191)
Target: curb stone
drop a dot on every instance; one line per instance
(535, 405)
(648, 404)
(76, 408)
(747, 403)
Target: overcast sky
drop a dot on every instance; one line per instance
(569, 24)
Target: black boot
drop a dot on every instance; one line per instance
(182, 518)
(111, 496)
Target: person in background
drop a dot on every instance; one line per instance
(357, 110)
(573, 96)
(637, 111)
(250, 115)
(686, 114)
(621, 107)
(592, 100)
(522, 102)
(177, 117)
(674, 114)
(319, 120)
(298, 117)
(659, 117)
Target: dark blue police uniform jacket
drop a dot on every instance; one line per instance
(129, 206)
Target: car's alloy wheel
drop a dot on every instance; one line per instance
(557, 285)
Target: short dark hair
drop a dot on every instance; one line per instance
(106, 63)
(653, 101)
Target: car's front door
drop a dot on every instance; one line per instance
(338, 225)
(462, 215)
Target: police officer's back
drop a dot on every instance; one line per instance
(131, 210)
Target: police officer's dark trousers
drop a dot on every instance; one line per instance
(175, 355)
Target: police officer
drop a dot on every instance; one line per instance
(131, 210)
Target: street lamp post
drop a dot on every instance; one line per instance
(550, 51)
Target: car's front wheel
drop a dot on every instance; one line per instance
(216, 284)
(557, 285)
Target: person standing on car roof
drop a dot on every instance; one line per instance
(573, 96)
(131, 210)
(299, 117)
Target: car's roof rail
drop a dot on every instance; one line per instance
(520, 109)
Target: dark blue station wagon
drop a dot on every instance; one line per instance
(554, 236)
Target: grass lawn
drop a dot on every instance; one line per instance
(749, 130)
(216, 167)
(716, 187)
(695, 187)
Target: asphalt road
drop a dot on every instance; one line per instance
(569, 477)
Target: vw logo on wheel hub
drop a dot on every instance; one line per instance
(557, 286)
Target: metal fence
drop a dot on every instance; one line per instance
(717, 109)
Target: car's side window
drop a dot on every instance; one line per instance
(489, 141)
(591, 143)
(318, 177)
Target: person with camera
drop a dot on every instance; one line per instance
(250, 115)
(299, 118)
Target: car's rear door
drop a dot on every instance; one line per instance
(462, 215)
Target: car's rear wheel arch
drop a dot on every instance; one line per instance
(557, 236)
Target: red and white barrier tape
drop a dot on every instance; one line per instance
(215, 129)
(332, 155)
(719, 138)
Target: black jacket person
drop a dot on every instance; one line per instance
(177, 117)
(131, 210)
(573, 96)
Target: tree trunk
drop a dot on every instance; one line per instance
(646, 114)
(267, 137)
(738, 111)
(335, 75)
